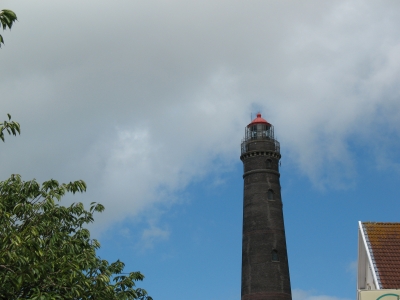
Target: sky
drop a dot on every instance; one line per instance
(147, 102)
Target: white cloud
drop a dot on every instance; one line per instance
(298, 294)
(352, 268)
(152, 235)
(144, 104)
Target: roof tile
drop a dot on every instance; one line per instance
(384, 242)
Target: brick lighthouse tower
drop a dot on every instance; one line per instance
(265, 269)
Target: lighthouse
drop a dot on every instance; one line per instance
(265, 268)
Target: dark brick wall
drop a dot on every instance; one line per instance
(264, 145)
(263, 227)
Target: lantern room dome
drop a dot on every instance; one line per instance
(259, 120)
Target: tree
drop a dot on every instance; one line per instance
(10, 126)
(7, 19)
(45, 251)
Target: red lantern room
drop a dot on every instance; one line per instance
(259, 129)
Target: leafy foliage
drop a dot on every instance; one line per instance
(11, 127)
(45, 250)
(46, 253)
(7, 19)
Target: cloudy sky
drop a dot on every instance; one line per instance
(147, 102)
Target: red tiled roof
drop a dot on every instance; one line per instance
(384, 242)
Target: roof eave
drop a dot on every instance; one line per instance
(369, 255)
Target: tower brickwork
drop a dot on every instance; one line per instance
(265, 269)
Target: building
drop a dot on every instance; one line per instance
(265, 269)
(378, 275)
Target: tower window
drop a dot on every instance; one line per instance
(274, 255)
(270, 195)
(269, 163)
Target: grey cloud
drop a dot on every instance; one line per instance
(141, 97)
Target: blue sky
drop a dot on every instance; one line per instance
(147, 101)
